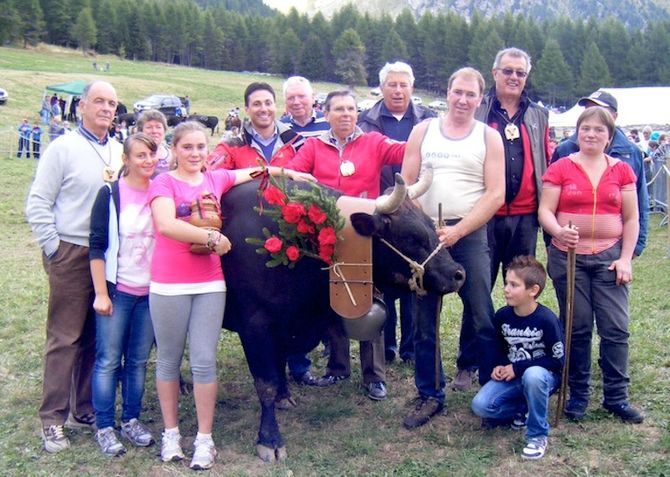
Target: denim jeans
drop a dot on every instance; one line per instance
(477, 334)
(406, 350)
(298, 364)
(425, 353)
(123, 344)
(528, 393)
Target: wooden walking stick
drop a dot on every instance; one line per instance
(437, 317)
(569, 302)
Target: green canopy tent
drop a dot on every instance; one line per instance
(70, 89)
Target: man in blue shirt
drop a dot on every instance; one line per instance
(395, 116)
(301, 116)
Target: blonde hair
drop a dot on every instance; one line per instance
(130, 142)
(468, 72)
(178, 134)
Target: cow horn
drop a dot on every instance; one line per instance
(423, 184)
(387, 204)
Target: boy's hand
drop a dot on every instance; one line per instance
(507, 373)
(498, 373)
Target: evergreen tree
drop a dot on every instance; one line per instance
(349, 54)
(137, 45)
(105, 21)
(594, 72)
(613, 41)
(394, 49)
(31, 22)
(9, 21)
(551, 76)
(84, 31)
(407, 30)
(484, 46)
(57, 21)
(312, 64)
(213, 54)
(287, 53)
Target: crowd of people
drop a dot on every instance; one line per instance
(114, 224)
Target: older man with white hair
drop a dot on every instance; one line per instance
(395, 116)
(299, 99)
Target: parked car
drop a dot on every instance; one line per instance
(438, 105)
(417, 100)
(165, 103)
(376, 91)
(365, 104)
(320, 98)
(3, 96)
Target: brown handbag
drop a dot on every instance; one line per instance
(206, 214)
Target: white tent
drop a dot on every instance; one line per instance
(637, 107)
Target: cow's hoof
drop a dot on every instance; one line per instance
(268, 454)
(286, 403)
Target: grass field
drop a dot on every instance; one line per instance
(336, 431)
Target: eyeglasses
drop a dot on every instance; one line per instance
(509, 71)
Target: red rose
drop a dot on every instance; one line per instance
(316, 215)
(326, 253)
(305, 228)
(327, 236)
(274, 196)
(293, 212)
(273, 244)
(293, 253)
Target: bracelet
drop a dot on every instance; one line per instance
(212, 239)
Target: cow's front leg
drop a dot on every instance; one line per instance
(270, 445)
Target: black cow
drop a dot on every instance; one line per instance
(278, 311)
(210, 122)
(129, 118)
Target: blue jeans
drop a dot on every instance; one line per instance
(406, 326)
(529, 393)
(123, 344)
(425, 353)
(477, 334)
(298, 364)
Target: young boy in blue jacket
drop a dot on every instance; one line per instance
(529, 359)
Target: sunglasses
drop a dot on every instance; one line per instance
(509, 71)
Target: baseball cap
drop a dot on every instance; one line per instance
(601, 98)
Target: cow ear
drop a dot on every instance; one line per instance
(365, 224)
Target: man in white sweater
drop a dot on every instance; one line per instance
(69, 175)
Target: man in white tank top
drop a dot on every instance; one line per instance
(468, 164)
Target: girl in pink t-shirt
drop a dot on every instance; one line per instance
(187, 292)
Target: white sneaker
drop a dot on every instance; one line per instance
(203, 457)
(137, 433)
(54, 439)
(535, 448)
(108, 442)
(171, 447)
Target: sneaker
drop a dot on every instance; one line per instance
(109, 443)
(54, 439)
(85, 421)
(137, 433)
(575, 409)
(463, 380)
(171, 447)
(625, 412)
(306, 379)
(203, 457)
(376, 391)
(423, 411)
(535, 448)
(329, 380)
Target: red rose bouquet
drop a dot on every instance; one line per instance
(309, 224)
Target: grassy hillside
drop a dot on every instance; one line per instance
(335, 431)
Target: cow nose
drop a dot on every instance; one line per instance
(459, 276)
